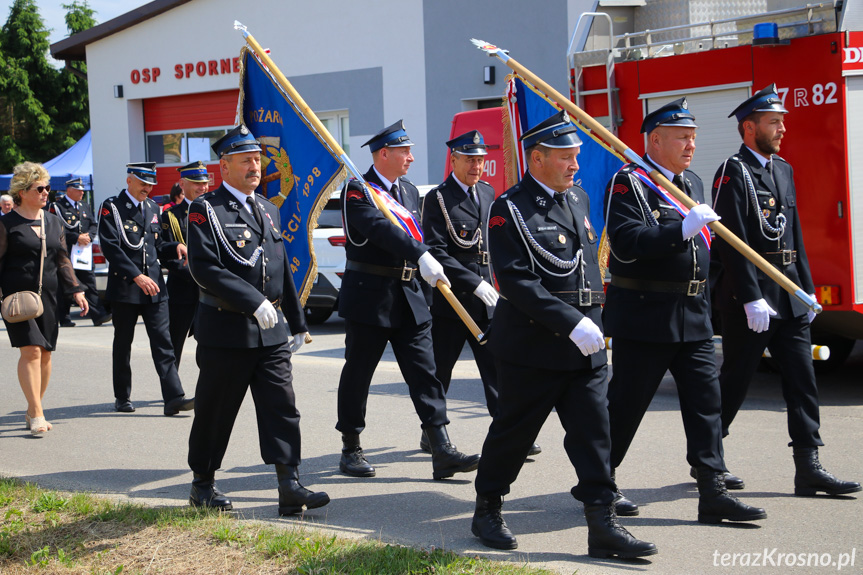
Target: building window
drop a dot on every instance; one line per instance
(180, 148)
(338, 125)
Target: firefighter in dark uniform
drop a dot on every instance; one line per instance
(382, 301)
(80, 228)
(455, 226)
(129, 233)
(182, 289)
(754, 193)
(249, 323)
(658, 311)
(546, 336)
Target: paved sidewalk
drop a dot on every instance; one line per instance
(142, 456)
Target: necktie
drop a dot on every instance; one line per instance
(472, 193)
(678, 181)
(769, 167)
(394, 192)
(560, 198)
(255, 211)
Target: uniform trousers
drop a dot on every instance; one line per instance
(412, 346)
(527, 396)
(789, 343)
(181, 316)
(448, 336)
(87, 279)
(637, 370)
(226, 374)
(155, 316)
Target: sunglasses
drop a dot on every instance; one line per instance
(41, 189)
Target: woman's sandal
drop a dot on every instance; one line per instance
(37, 425)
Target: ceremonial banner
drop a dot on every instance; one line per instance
(525, 107)
(299, 171)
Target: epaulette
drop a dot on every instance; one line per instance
(628, 168)
(484, 182)
(404, 179)
(780, 158)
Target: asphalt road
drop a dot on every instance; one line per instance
(142, 456)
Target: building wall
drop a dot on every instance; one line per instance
(380, 59)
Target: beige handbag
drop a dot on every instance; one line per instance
(26, 305)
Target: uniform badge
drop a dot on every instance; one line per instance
(771, 202)
(128, 206)
(766, 213)
(655, 213)
(74, 218)
(233, 204)
(540, 201)
(241, 244)
(105, 211)
(589, 229)
(164, 226)
(134, 228)
(496, 221)
(126, 227)
(462, 233)
(619, 189)
(155, 219)
(561, 238)
(197, 218)
(246, 234)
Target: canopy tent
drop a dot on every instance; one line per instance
(76, 162)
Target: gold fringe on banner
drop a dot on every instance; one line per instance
(510, 156)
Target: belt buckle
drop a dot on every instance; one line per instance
(585, 298)
(483, 258)
(789, 257)
(407, 274)
(694, 287)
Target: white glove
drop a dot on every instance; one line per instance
(810, 315)
(431, 270)
(486, 293)
(698, 217)
(587, 337)
(266, 315)
(298, 341)
(758, 314)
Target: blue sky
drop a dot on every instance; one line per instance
(53, 13)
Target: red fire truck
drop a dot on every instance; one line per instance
(818, 69)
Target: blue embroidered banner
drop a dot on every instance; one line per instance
(299, 171)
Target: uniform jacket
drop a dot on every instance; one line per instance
(460, 263)
(181, 286)
(215, 245)
(78, 221)
(531, 325)
(739, 281)
(373, 239)
(647, 244)
(125, 261)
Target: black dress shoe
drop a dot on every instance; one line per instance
(205, 494)
(123, 406)
(624, 507)
(353, 461)
(447, 460)
(67, 323)
(97, 321)
(731, 481)
(535, 449)
(179, 404)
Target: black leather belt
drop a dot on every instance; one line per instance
(690, 288)
(405, 273)
(213, 301)
(480, 258)
(581, 298)
(782, 258)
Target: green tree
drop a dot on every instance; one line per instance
(26, 84)
(73, 105)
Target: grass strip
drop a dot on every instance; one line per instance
(45, 531)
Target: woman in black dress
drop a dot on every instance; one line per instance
(20, 254)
